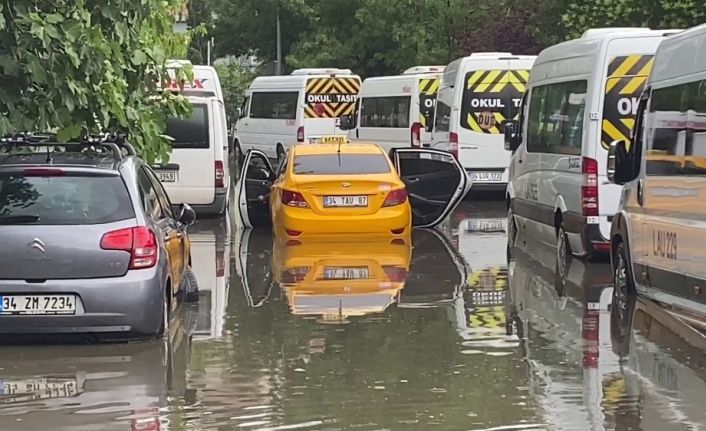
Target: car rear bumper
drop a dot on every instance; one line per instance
(388, 222)
(128, 304)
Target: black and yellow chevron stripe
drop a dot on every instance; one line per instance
(495, 81)
(429, 86)
(493, 317)
(349, 86)
(627, 76)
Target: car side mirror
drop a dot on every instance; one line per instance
(429, 118)
(619, 169)
(512, 139)
(346, 122)
(183, 213)
(239, 112)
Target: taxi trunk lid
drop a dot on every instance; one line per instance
(345, 196)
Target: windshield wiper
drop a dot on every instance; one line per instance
(19, 219)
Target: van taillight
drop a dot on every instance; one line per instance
(300, 134)
(453, 144)
(416, 134)
(220, 174)
(139, 241)
(590, 325)
(589, 189)
(220, 263)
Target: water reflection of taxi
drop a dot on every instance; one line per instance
(349, 189)
(339, 280)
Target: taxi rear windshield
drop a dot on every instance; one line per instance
(341, 164)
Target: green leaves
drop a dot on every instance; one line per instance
(85, 66)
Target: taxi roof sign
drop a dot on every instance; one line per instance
(334, 139)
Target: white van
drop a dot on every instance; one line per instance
(279, 111)
(478, 94)
(393, 111)
(197, 172)
(581, 95)
(658, 236)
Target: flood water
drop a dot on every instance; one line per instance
(451, 332)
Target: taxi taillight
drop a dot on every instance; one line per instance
(395, 197)
(294, 199)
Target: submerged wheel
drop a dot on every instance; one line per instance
(191, 286)
(164, 326)
(511, 228)
(563, 251)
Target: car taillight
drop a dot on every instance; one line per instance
(453, 144)
(589, 188)
(43, 172)
(294, 275)
(300, 134)
(416, 134)
(294, 199)
(395, 197)
(396, 274)
(220, 174)
(139, 241)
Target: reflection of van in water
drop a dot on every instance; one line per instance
(198, 173)
(478, 94)
(582, 94)
(279, 111)
(393, 110)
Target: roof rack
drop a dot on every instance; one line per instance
(116, 143)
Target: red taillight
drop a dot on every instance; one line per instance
(589, 189)
(395, 197)
(220, 263)
(398, 231)
(453, 144)
(396, 274)
(139, 241)
(294, 199)
(300, 134)
(416, 135)
(294, 275)
(220, 174)
(292, 232)
(601, 246)
(43, 172)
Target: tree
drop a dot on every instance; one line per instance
(87, 66)
(235, 80)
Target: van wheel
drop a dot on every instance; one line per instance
(623, 285)
(280, 153)
(511, 228)
(563, 252)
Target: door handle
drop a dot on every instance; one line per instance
(413, 180)
(641, 192)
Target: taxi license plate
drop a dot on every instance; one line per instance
(166, 176)
(337, 139)
(346, 273)
(345, 201)
(38, 304)
(490, 177)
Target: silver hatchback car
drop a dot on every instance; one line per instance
(89, 241)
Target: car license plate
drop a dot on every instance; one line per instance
(345, 201)
(490, 177)
(42, 388)
(331, 273)
(334, 139)
(37, 304)
(486, 298)
(166, 176)
(486, 226)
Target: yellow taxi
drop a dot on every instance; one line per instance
(353, 190)
(335, 281)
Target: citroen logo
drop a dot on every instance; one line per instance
(346, 185)
(37, 245)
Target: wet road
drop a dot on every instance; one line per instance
(447, 333)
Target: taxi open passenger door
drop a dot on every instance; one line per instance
(253, 189)
(436, 183)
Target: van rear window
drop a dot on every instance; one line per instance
(191, 132)
(63, 200)
(341, 164)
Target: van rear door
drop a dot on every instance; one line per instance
(326, 98)
(189, 177)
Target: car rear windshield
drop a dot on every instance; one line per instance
(191, 132)
(63, 200)
(341, 164)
